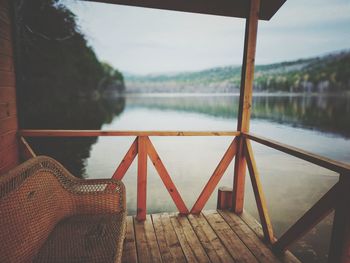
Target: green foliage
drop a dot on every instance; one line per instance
(330, 73)
(60, 80)
(113, 80)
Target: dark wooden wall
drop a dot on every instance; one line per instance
(9, 156)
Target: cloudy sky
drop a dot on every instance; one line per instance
(142, 41)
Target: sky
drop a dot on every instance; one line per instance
(145, 41)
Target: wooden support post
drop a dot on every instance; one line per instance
(239, 178)
(259, 194)
(310, 219)
(126, 162)
(224, 198)
(164, 175)
(141, 178)
(340, 242)
(245, 102)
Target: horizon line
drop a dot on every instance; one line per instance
(126, 73)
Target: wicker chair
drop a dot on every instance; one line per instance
(48, 215)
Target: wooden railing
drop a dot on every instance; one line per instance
(143, 147)
(337, 198)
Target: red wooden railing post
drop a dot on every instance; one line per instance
(259, 193)
(164, 175)
(340, 242)
(245, 102)
(239, 178)
(141, 178)
(126, 162)
(224, 200)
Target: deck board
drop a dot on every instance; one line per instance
(212, 236)
(251, 222)
(129, 251)
(249, 238)
(229, 238)
(146, 242)
(169, 244)
(191, 246)
(210, 241)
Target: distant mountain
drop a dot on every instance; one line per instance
(328, 73)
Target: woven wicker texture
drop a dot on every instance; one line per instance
(40, 195)
(92, 238)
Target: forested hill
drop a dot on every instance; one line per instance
(57, 69)
(329, 73)
(61, 84)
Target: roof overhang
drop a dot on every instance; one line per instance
(230, 8)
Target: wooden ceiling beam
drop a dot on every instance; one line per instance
(230, 8)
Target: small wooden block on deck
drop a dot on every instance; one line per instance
(213, 236)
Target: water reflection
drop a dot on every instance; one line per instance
(81, 114)
(330, 113)
(323, 113)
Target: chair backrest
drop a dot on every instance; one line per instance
(32, 200)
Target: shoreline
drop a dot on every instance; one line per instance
(223, 94)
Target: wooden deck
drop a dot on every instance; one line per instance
(212, 236)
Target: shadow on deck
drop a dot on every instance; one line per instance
(212, 236)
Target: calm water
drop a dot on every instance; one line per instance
(320, 124)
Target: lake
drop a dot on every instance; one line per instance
(316, 123)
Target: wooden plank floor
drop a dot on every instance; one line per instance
(212, 236)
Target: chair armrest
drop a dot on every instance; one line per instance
(98, 196)
(83, 186)
(87, 196)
